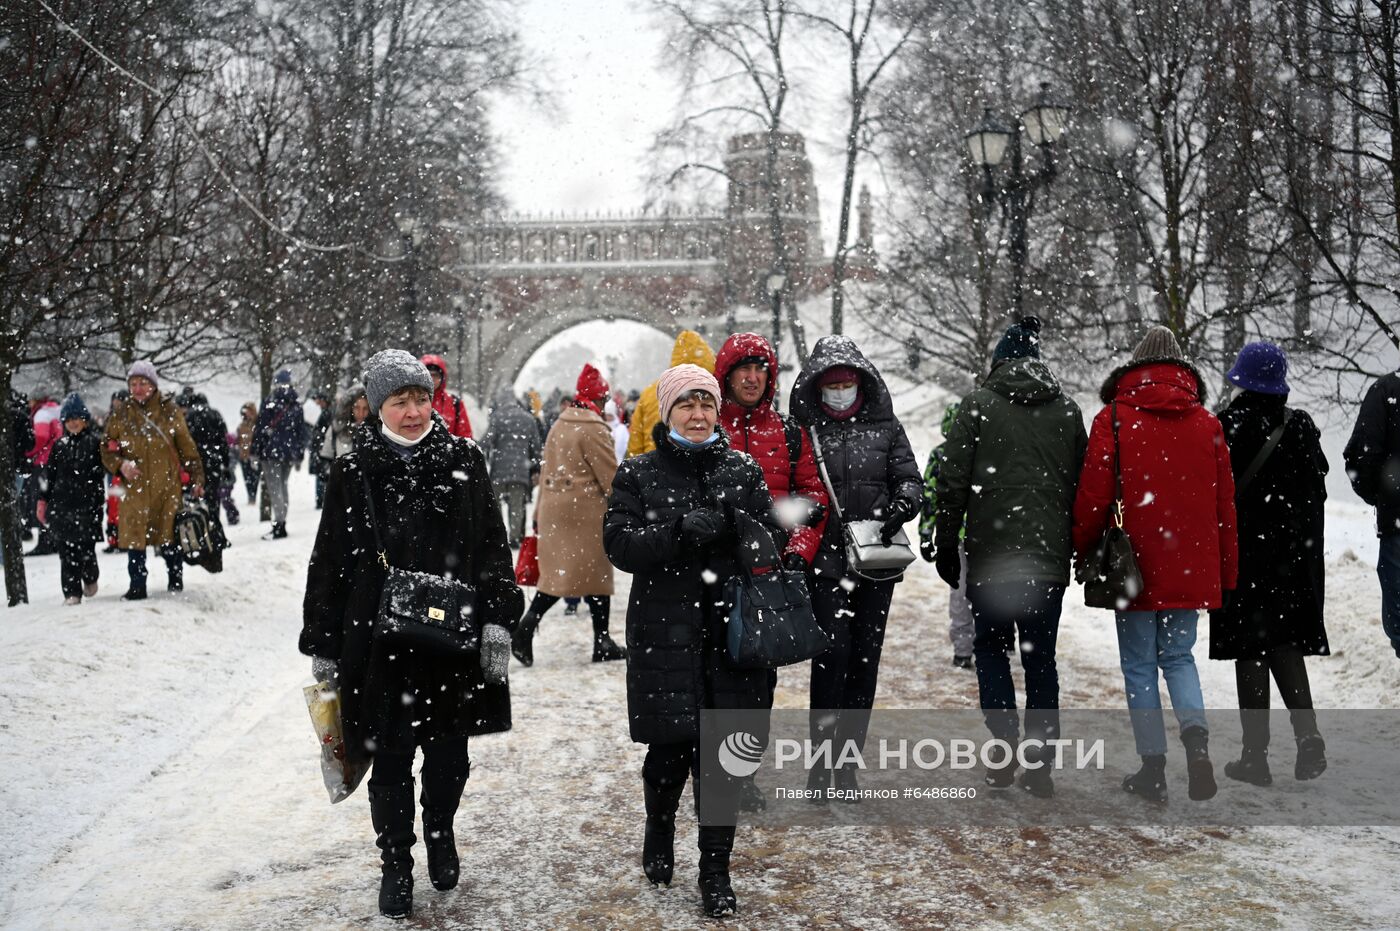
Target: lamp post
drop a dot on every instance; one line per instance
(777, 280)
(484, 305)
(1042, 124)
(411, 234)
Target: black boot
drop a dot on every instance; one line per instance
(1312, 758)
(444, 866)
(1001, 777)
(659, 842)
(818, 781)
(522, 642)
(135, 593)
(604, 650)
(1149, 782)
(1037, 779)
(962, 662)
(847, 787)
(391, 811)
(751, 797)
(716, 894)
(1252, 767)
(1200, 774)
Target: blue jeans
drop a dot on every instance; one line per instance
(1153, 640)
(1388, 568)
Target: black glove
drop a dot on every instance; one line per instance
(926, 548)
(703, 526)
(900, 510)
(793, 562)
(947, 562)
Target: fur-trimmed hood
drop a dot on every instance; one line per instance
(1109, 391)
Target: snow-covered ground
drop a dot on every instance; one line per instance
(160, 772)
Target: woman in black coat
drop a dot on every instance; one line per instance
(75, 499)
(874, 476)
(670, 522)
(436, 513)
(1274, 617)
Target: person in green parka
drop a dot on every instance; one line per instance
(960, 627)
(1009, 474)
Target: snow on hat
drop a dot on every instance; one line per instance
(592, 386)
(1020, 341)
(142, 369)
(1158, 343)
(679, 381)
(390, 370)
(283, 377)
(837, 374)
(1261, 367)
(73, 408)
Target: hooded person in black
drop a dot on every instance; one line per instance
(840, 396)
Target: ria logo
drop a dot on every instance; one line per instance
(741, 754)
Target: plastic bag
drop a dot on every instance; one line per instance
(527, 564)
(341, 777)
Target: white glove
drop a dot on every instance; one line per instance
(495, 653)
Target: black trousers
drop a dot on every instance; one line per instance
(665, 770)
(446, 767)
(844, 677)
(599, 606)
(1288, 669)
(77, 566)
(1000, 612)
(136, 564)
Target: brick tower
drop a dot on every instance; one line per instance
(750, 251)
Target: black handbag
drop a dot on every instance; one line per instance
(193, 533)
(422, 611)
(1111, 575)
(771, 623)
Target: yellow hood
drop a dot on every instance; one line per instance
(691, 347)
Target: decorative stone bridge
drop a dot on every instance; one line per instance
(527, 279)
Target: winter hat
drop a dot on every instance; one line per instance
(1158, 343)
(283, 377)
(750, 360)
(592, 386)
(143, 369)
(1020, 341)
(837, 374)
(389, 370)
(121, 395)
(679, 381)
(73, 408)
(1261, 367)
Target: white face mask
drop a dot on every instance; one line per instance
(394, 438)
(839, 399)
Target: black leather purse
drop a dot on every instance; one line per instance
(771, 623)
(1111, 575)
(422, 611)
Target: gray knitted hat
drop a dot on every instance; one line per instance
(1158, 343)
(143, 369)
(389, 370)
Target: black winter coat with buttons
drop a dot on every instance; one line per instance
(438, 514)
(677, 658)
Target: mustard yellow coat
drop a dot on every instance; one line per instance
(154, 436)
(690, 347)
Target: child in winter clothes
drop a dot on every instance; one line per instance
(960, 624)
(74, 503)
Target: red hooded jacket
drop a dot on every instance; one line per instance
(447, 404)
(759, 432)
(1178, 489)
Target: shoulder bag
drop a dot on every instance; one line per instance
(771, 623)
(1261, 457)
(867, 555)
(419, 610)
(1111, 575)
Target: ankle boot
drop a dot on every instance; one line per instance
(1200, 774)
(604, 650)
(1312, 758)
(1252, 767)
(751, 797)
(391, 812)
(716, 894)
(522, 642)
(659, 842)
(1149, 782)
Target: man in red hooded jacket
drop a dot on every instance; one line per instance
(447, 404)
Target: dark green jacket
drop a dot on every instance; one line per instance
(1010, 469)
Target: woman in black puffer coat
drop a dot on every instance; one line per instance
(670, 522)
(437, 514)
(874, 476)
(1274, 617)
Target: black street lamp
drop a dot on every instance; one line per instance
(777, 280)
(412, 235)
(1043, 123)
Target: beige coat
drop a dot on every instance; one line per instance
(149, 435)
(575, 480)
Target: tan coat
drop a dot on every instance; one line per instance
(144, 433)
(575, 479)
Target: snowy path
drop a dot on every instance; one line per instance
(162, 774)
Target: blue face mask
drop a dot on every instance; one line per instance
(683, 443)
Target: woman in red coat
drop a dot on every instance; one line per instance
(1179, 512)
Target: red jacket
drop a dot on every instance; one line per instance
(1178, 490)
(447, 404)
(759, 432)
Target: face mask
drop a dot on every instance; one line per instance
(397, 440)
(691, 444)
(839, 399)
